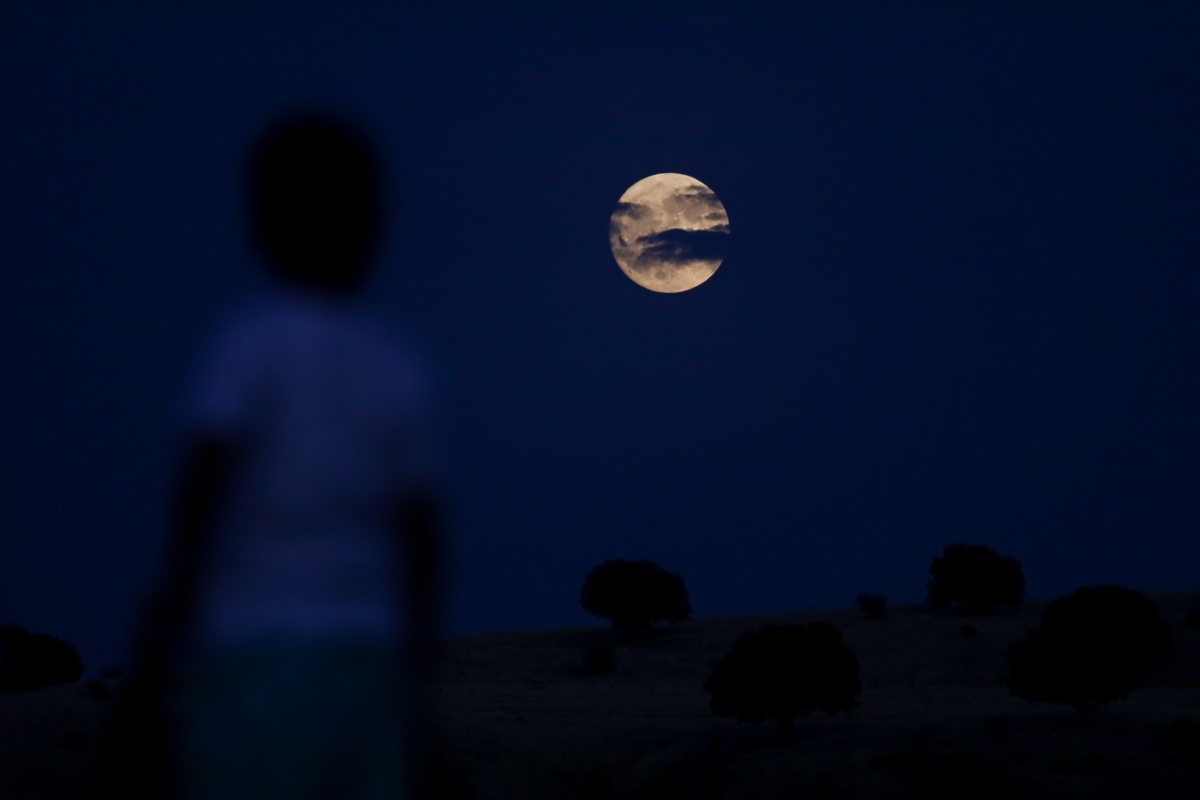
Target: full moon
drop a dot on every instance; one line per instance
(669, 232)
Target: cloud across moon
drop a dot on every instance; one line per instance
(669, 232)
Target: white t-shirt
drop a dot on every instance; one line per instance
(332, 414)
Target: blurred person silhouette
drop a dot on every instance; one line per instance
(286, 653)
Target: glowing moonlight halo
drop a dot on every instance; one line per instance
(668, 232)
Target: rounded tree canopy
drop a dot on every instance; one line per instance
(1124, 616)
(976, 576)
(635, 594)
(1087, 650)
(784, 671)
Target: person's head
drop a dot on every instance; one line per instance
(316, 201)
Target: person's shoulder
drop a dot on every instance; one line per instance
(392, 339)
(399, 354)
(259, 316)
(402, 375)
(281, 316)
(236, 355)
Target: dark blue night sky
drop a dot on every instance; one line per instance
(962, 301)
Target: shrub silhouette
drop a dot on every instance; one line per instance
(784, 671)
(871, 604)
(33, 660)
(635, 594)
(1086, 652)
(976, 576)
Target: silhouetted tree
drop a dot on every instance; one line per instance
(635, 594)
(1127, 616)
(1086, 652)
(784, 671)
(1066, 667)
(871, 604)
(976, 576)
(33, 660)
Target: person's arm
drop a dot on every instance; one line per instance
(136, 755)
(204, 475)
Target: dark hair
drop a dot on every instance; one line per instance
(315, 200)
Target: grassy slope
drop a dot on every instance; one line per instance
(520, 721)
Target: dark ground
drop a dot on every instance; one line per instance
(518, 719)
